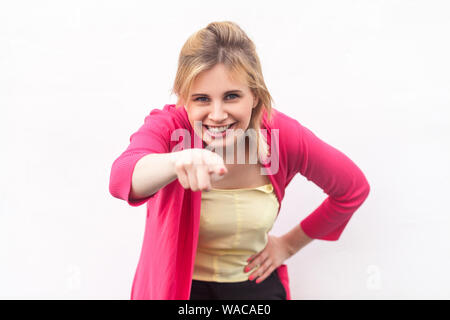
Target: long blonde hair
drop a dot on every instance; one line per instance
(225, 42)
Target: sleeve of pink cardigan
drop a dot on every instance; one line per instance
(152, 137)
(338, 176)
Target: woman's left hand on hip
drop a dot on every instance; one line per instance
(267, 260)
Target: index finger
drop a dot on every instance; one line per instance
(216, 164)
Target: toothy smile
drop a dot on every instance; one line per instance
(215, 129)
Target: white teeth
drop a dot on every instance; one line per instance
(218, 129)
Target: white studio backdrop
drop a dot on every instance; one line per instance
(77, 78)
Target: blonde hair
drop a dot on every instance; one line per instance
(225, 42)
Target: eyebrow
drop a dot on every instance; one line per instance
(227, 92)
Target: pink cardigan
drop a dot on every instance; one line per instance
(166, 262)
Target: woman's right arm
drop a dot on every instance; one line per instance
(151, 141)
(195, 168)
(151, 173)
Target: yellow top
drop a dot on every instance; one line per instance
(234, 224)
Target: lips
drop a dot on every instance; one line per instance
(226, 125)
(218, 134)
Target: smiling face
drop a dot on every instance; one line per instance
(217, 100)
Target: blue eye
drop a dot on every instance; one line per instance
(197, 99)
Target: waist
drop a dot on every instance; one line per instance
(221, 265)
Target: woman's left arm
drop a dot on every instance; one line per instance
(337, 175)
(295, 240)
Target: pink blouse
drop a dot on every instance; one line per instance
(167, 256)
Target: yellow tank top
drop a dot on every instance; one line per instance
(234, 224)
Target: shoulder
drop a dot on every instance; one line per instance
(287, 133)
(287, 128)
(280, 120)
(167, 118)
(170, 113)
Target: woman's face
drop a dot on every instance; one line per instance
(218, 101)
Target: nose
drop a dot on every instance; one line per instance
(218, 113)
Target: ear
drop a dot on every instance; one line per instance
(255, 103)
(255, 100)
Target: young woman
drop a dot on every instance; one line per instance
(213, 170)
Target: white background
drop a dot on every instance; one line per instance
(77, 78)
